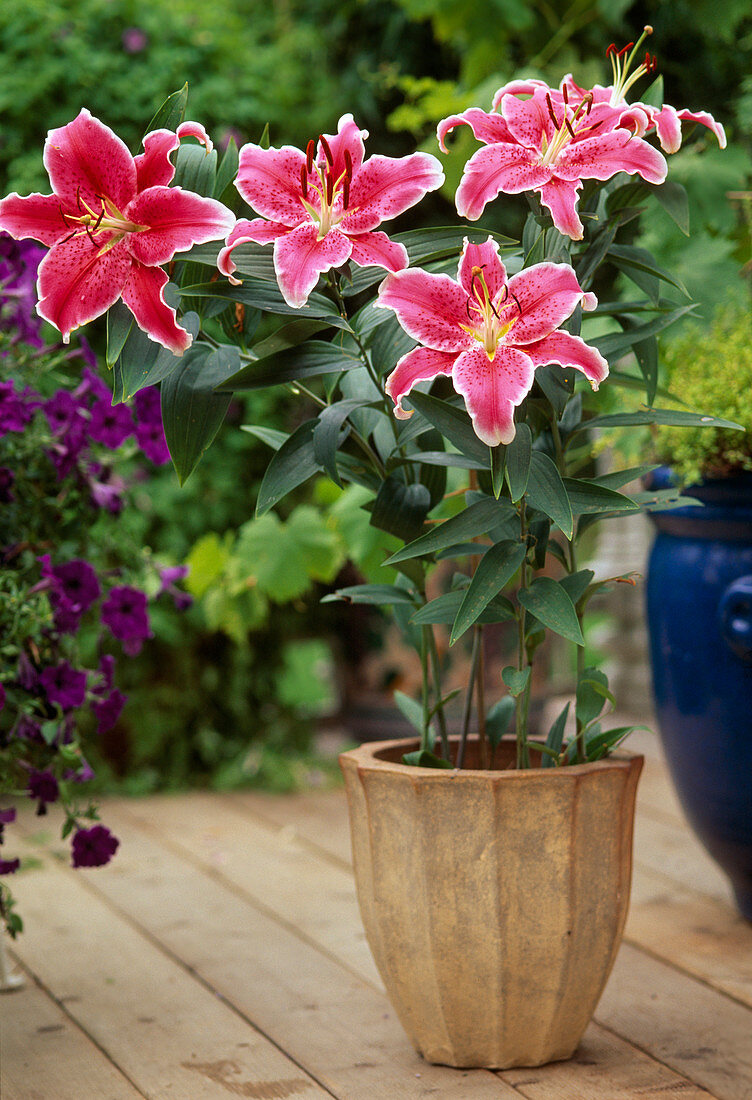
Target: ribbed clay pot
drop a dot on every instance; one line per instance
(493, 901)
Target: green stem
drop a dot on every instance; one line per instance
(426, 741)
(580, 734)
(436, 669)
(522, 706)
(474, 662)
(485, 761)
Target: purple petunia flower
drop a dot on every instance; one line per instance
(15, 414)
(93, 847)
(124, 612)
(107, 669)
(18, 271)
(64, 685)
(151, 440)
(26, 674)
(110, 424)
(168, 578)
(43, 787)
(107, 711)
(91, 385)
(9, 866)
(106, 489)
(73, 589)
(26, 729)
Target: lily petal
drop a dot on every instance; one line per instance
(176, 220)
(601, 157)
(668, 128)
(36, 216)
(256, 231)
(154, 167)
(502, 167)
(492, 389)
(560, 197)
(350, 138)
(488, 128)
(548, 294)
(569, 351)
(387, 186)
(143, 294)
(529, 120)
(79, 281)
(418, 365)
(300, 257)
(705, 120)
(430, 308)
(269, 181)
(377, 250)
(518, 87)
(87, 161)
(486, 257)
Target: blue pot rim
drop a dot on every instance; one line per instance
(725, 513)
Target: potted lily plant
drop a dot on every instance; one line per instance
(447, 372)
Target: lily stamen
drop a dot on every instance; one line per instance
(327, 150)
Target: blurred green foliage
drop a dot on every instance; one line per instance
(711, 368)
(296, 65)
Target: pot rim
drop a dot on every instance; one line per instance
(364, 756)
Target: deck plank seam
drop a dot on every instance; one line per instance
(686, 973)
(76, 1023)
(217, 876)
(654, 1057)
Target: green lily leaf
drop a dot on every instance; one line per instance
(497, 566)
(477, 519)
(516, 679)
(552, 606)
(191, 412)
(291, 465)
(518, 460)
(547, 493)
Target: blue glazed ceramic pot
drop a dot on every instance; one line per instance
(699, 595)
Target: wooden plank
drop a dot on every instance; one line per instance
(673, 850)
(313, 896)
(163, 1029)
(214, 833)
(604, 1068)
(699, 934)
(319, 818)
(45, 1056)
(699, 1032)
(333, 1024)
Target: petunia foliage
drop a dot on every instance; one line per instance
(448, 372)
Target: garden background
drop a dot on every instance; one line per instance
(229, 690)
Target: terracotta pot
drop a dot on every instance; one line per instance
(493, 901)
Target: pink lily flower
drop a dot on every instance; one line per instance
(487, 333)
(549, 143)
(665, 120)
(111, 221)
(321, 207)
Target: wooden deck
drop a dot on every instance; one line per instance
(221, 955)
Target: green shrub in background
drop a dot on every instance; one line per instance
(295, 65)
(710, 367)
